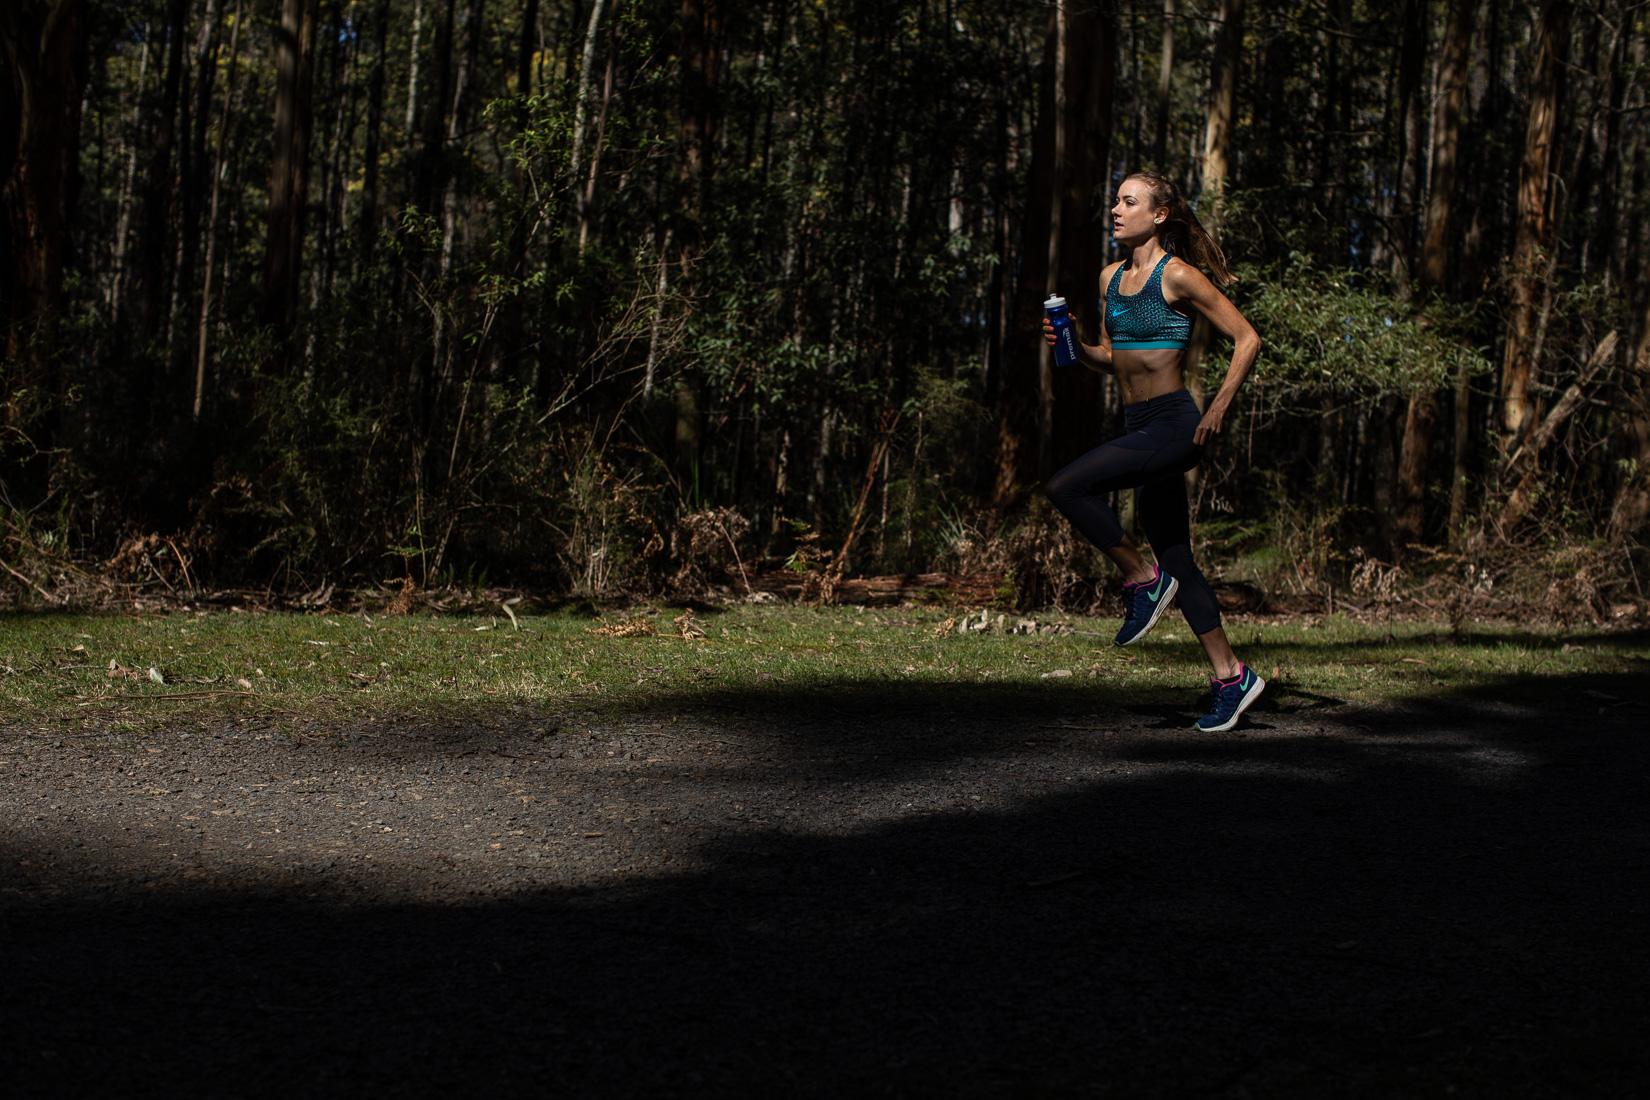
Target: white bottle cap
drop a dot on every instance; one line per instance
(1055, 302)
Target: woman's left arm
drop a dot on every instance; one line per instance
(1186, 283)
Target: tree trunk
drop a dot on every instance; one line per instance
(334, 201)
(1017, 426)
(1062, 138)
(455, 128)
(529, 46)
(1604, 225)
(1630, 514)
(1412, 52)
(1446, 129)
(1420, 422)
(1629, 243)
(427, 164)
(203, 331)
(123, 220)
(431, 157)
(1462, 412)
(1217, 139)
(1001, 305)
(1483, 82)
(657, 320)
(1385, 474)
(1409, 495)
(587, 70)
(410, 126)
(1486, 111)
(1090, 47)
(701, 66)
(1137, 109)
(1533, 240)
(289, 168)
(192, 167)
(587, 193)
(1165, 84)
(45, 48)
(701, 59)
(1337, 125)
(368, 234)
(151, 273)
(1217, 151)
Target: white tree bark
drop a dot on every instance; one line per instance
(587, 66)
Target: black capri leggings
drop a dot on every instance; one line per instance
(1151, 459)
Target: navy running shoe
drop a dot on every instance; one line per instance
(1231, 698)
(1144, 604)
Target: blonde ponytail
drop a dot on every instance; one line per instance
(1181, 233)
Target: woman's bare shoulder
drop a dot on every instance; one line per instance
(1177, 269)
(1184, 280)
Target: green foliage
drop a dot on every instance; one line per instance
(1324, 328)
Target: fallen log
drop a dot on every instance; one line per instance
(1242, 596)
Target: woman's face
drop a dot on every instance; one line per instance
(1134, 217)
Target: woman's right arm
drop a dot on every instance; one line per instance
(1096, 357)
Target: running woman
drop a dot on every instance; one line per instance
(1146, 304)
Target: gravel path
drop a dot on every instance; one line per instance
(967, 893)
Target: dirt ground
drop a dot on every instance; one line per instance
(955, 892)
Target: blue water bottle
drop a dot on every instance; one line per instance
(1065, 334)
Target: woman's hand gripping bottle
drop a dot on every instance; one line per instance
(1065, 333)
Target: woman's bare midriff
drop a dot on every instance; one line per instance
(1145, 374)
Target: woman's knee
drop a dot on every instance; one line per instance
(1062, 489)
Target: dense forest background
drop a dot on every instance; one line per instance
(612, 296)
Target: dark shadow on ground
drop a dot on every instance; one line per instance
(1447, 900)
(1311, 645)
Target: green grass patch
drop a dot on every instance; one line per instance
(55, 668)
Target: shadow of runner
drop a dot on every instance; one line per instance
(1389, 908)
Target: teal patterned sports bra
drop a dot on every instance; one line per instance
(1144, 320)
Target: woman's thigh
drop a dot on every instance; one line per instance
(1105, 469)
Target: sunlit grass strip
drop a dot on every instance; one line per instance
(56, 668)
